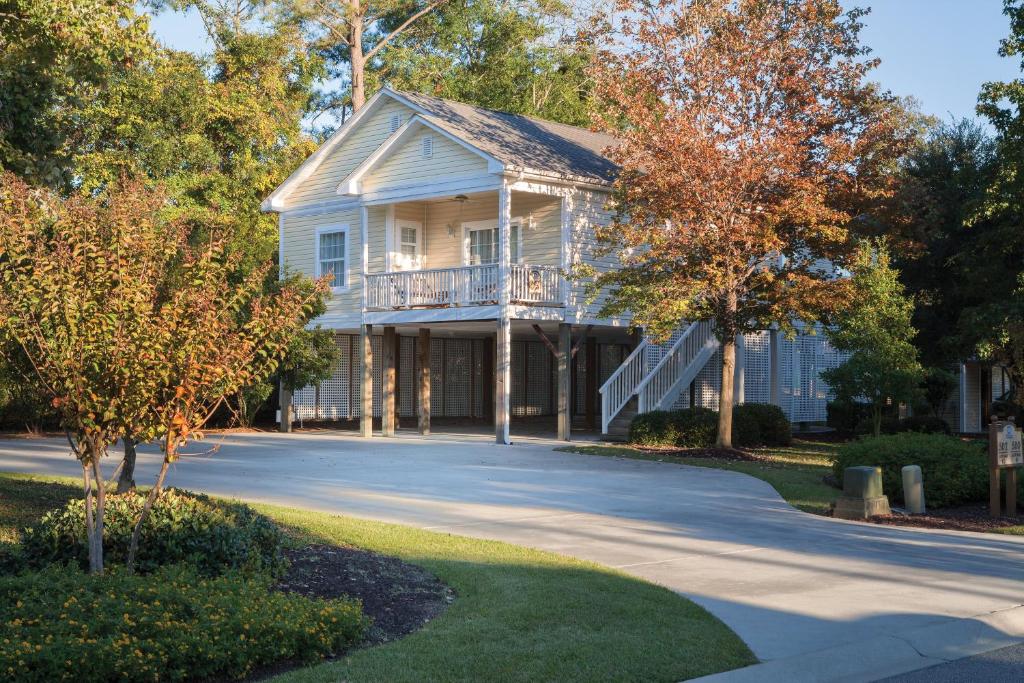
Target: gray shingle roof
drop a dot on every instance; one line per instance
(521, 141)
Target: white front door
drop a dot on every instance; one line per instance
(409, 245)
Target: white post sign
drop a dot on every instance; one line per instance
(1009, 446)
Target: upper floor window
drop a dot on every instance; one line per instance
(410, 243)
(332, 255)
(482, 243)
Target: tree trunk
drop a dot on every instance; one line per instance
(154, 493)
(89, 519)
(725, 396)
(357, 59)
(876, 420)
(126, 482)
(101, 503)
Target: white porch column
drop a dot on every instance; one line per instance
(503, 356)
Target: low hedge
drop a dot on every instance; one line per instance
(214, 536)
(923, 424)
(753, 424)
(954, 471)
(174, 625)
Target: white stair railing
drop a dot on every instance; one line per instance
(617, 391)
(676, 366)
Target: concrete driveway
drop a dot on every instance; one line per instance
(815, 598)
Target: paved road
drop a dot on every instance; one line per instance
(815, 598)
(1005, 664)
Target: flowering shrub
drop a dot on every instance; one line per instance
(174, 625)
(214, 536)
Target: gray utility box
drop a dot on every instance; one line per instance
(862, 494)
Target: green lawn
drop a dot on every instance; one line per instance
(520, 614)
(795, 471)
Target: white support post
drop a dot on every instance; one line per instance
(740, 371)
(389, 238)
(364, 220)
(774, 367)
(963, 398)
(566, 256)
(503, 356)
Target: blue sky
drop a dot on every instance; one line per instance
(938, 51)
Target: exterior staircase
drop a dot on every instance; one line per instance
(653, 377)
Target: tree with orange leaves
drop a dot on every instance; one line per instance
(135, 320)
(749, 142)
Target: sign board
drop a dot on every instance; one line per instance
(1008, 446)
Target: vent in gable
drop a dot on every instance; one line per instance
(428, 146)
(395, 122)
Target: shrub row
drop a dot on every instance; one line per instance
(855, 417)
(213, 536)
(175, 625)
(753, 424)
(954, 471)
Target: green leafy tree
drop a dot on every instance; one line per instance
(938, 385)
(55, 57)
(875, 329)
(517, 56)
(132, 328)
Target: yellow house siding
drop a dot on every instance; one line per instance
(407, 165)
(541, 243)
(367, 136)
(298, 253)
(587, 212)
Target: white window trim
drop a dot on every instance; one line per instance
(347, 270)
(490, 224)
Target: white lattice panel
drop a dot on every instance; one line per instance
(479, 410)
(456, 378)
(407, 381)
(437, 371)
(757, 367)
(304, 403)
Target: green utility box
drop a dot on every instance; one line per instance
(862, 494)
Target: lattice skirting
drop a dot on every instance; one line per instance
(458, 385)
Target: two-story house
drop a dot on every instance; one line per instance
(446, 230)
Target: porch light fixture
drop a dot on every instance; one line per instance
(453, 226)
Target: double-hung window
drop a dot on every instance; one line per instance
(332, 255)
(482, 243)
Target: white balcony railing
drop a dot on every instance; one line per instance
(461, 286)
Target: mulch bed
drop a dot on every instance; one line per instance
(972, 517)
(711, 453)
(400, 597)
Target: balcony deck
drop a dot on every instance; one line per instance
(463, 286)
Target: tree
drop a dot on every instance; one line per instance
(748, 139)
(352, 32)
(877, 333)
(55, 56)
(938, 385)
(519, 56)
(993, 323)
(132, 327)
(945, 179)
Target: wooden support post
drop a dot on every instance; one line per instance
(366, 384)
(774, 367)
(1011, 492)
(590, 391)
(564, 384)
(424, 348)
(286, 410)
(387, 412)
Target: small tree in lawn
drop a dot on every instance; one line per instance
(875, 329)
(747, 134)
(132, 329)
